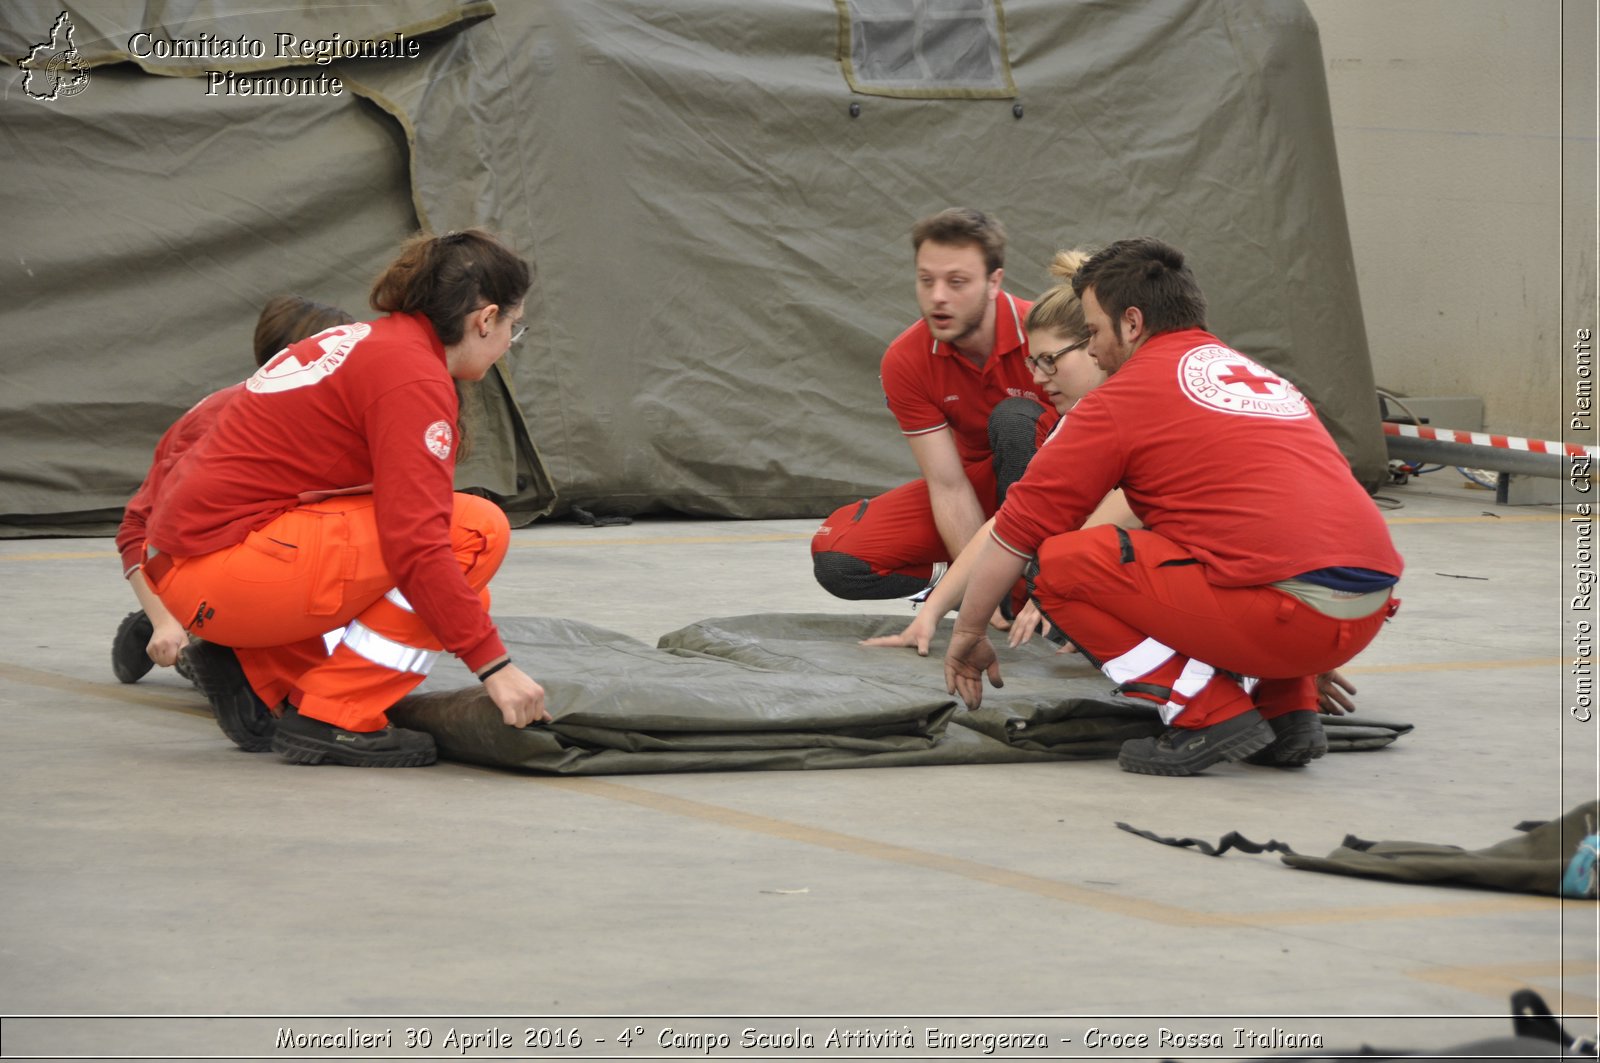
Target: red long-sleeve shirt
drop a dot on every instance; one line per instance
(368, 407)
(174, 442)
(1216, 453)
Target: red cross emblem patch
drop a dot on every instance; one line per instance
(1221, 378)
(438, 437)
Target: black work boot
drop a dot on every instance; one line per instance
(1190, 750)
(129, 661)
(302, 740)
(1298, 740)
(241, 713)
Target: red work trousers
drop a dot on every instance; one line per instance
(1141, 609)
(894, 533)
(316, 568)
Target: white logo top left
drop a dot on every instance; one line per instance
(329, 348)
(53, 69)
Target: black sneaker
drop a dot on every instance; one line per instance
(1188, 751)
(302, 740)
(1298, 740)
(129, 661)
(241, 713)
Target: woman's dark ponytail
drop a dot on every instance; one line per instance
(445, 278)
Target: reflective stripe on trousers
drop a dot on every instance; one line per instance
(387, 652)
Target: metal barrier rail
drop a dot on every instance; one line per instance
(1483, 450)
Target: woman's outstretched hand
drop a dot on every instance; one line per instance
(918, 634)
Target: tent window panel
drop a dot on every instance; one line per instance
(961, 44)
(886, 53)
(925, 48)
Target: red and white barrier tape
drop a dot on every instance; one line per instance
(1484, 439)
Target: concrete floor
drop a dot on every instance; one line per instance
(152, 869)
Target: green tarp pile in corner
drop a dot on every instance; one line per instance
(1556, 857)
(1553, 857)
(782, 691)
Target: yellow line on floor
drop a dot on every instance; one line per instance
(602, 537)
(1495, 904)
(61, 555)
(188, 702)
(1487, 518)
(1499, 981)
(1051, 889)
(1452, 666)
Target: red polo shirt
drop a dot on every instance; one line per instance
(929, 385)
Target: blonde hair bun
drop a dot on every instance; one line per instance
(1058, 308)
(1066, 264)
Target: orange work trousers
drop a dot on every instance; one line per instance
(1141, 609)
(314, 569)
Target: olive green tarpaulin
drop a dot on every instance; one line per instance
(1554, 857)
(721, 247)
(1534, 861)
(781, 692)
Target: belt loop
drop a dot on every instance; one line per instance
(1287, 606)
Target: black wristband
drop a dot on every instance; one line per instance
(492, 669)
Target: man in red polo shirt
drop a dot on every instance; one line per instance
(958, 383)
(1261, 564)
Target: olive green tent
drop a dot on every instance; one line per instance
(716, 197)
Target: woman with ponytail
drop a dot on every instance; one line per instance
(324, 496)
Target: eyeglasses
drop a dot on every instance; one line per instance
(517, 331)
(1046, 363)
